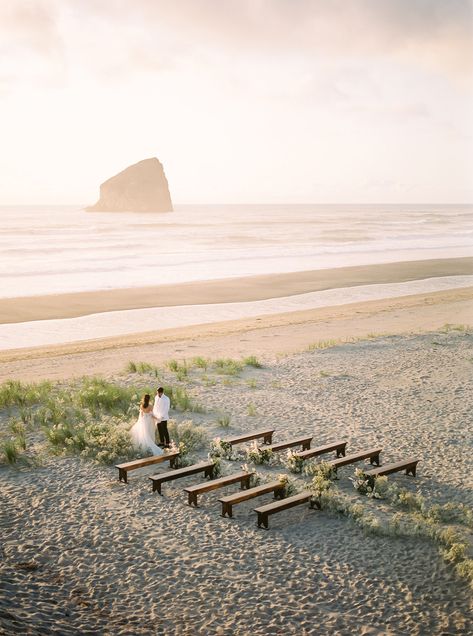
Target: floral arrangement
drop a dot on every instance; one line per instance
(322, 477)
(374, 488)
(256, 478)
(224, 450)
(294, 463)
(257, 455)
(291, 486)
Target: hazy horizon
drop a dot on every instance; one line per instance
(268, 102)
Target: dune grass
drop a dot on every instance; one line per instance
(252, 361)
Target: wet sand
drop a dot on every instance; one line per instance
(224, 291)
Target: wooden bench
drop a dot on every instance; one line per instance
(372, 454)
(267, 436)
(300, 441)
(263, 512)
(123, 469)
(204, 467)
(409, 465)
(338, 447)
(230, 500)
(243, 477)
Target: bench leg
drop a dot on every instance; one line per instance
(157, 487)
(268, 439)
(375, 459)
(306, 446)
(411, 470)
(122, 475)
(315, 503)
(173, 462)
(227, 509)
(262, 520)
(341, 451)
(245, 482)
(192, 498)
(209, 472)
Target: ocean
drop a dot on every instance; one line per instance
(51, 250)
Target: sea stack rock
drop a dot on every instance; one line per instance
(142, 187)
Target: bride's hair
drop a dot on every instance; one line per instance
(145, 401)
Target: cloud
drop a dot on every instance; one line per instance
(31, 45)
(429, 33)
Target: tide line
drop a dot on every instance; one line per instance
(120, 323)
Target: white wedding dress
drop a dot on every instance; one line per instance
(142, 433)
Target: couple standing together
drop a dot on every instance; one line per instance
(143, 433)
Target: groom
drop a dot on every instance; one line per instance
(161, 413)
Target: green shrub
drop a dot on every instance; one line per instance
(16, 393)
(451, 512)
(187, 436)
(465, 570)
(98, 395)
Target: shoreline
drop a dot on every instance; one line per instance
(242, 289)
(267, 336)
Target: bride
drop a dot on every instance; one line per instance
(142, 433)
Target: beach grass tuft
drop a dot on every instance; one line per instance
(224, 420)
(252, 361)
(10, 451)
(228, 366)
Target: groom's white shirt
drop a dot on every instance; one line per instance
(161, 407)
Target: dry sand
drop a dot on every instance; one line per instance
(116, 559)
(267, 337)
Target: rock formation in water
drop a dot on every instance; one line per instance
(142, 187)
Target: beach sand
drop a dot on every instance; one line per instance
(110, 558)
(268, 337)
(82, 553)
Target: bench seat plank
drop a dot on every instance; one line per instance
(123, 469)
(230, 500)
(339, 447)
(409, 465)
(300, 441)
(243, 477)
(289, 502)
(372, 454)
(266, 434)
(203, 467)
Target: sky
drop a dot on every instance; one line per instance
(243, 101)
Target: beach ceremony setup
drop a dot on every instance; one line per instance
(236, 318)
